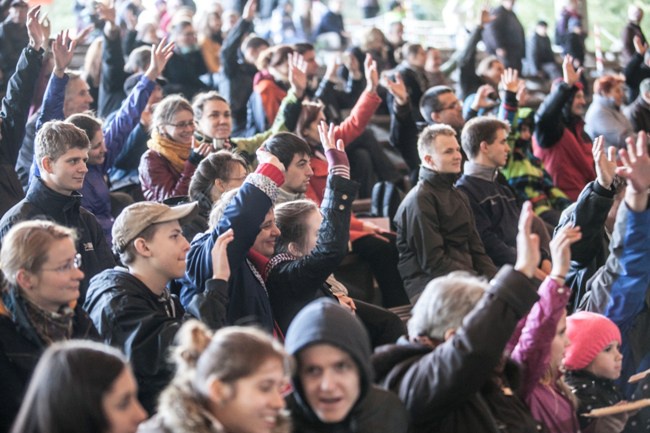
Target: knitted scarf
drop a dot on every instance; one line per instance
(50, 327)
(175, 153)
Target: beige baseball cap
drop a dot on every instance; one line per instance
(138, 216)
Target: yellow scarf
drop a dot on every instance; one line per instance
(175, 153)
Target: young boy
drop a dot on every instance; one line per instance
(132, 307)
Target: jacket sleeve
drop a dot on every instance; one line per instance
(15, 104)
(211, 305)
(111, 84)
(468, 80)
(117, 131)
(548, 120)
(157, 180)
(134, 146)
(458, 368)
(230, 47)
(331, 246)
(619, 288)
(632, 69)
(52, 108)
(354, 125)
(404, 134)
(533, 350)
(590, 213)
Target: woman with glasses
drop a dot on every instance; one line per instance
(167, 167)
(40, 281)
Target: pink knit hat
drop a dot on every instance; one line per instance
(589, 333)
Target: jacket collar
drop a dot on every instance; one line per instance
(484, 172)
(40, 194)
(440, 180)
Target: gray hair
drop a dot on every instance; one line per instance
(444, 304)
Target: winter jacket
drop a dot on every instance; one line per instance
(562, 144)
(507, 33)
(159, 180)
(129, 316)
(592, 392)
(20, 350)
(271, 93)
(237, 75)
(539, 53)
(42, 202)
(638, 113)
(295, 282)
(13, 38)
(629, 32)
(605, 118)
(440, 386)
(245, 214)
(533, 351)
(590, 252)
(183, 71)
(376, 410)
(15, 109)
(468, 81)
(635, 71)
(436, 233)
(619, 289)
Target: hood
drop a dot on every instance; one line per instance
(261, 76)
(110, 279)
(324, 321)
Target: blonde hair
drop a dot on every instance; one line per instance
(26, 247)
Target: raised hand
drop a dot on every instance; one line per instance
(636, 164)
(482, 98)
(106, 12)
(220, 263)
(485, 17)
(561, 249)
(510, 80)
(36, 29)
(397, 89)
(571, 76)
(250, 8)
(63, 48)
(528, 255)
(160, 55)
(297, 74)
(328, 137)
(266, 157)
(605, 162)
(333, 66)
(372, 75)
(337, 159)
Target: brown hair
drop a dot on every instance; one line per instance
(291, 218)
(481, 129)
(273, 56)
(55, 138)
(308, 115)
(218, 165)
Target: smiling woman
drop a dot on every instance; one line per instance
(40, 269)
(232, 381)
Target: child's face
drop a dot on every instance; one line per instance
(559, 344)
(524, 133)
(607, 364)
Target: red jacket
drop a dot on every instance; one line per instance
(159, 180)
(351, 128)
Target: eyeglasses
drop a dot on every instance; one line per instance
(183, 125)
(452, 106)
(74, 263)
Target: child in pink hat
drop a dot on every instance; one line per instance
(592, 363)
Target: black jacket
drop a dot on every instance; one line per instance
(142, 324)
(638, 113)
(592, 392)
(111, 84)
(292, 284)
(42, 202)
(635, 72)
(20, 350)
(15, 108)
(440, 386)
(236, 84)
(376, 410)
(591, 251)
(436, 233)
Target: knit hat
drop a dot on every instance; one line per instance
(589, 333)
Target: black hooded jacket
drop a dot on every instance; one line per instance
(376, 411)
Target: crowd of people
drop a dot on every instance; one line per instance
(175, 216)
